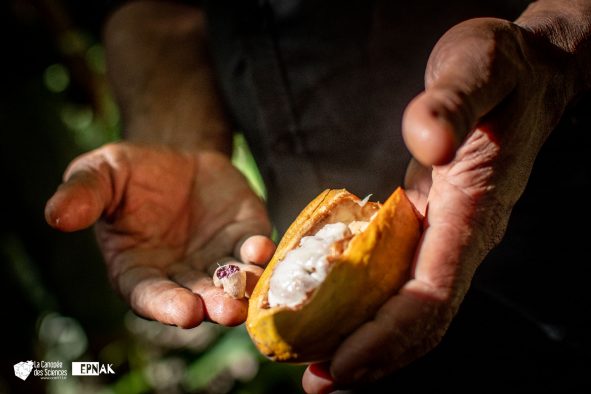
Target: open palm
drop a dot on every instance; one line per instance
(163, 219)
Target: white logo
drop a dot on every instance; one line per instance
(86, 368)
(40, 369)
(23, 369)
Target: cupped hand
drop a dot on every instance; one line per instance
(164, 219)
(494, 91)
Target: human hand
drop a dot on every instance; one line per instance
(494, 91)
(163, 218)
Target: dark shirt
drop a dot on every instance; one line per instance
(319, 88)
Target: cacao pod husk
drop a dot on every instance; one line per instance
(373, 266)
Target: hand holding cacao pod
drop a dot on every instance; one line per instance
(339, 261)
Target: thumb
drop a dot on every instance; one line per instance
(470, 71)
(87, 191)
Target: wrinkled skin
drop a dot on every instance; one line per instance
(493, 94)
(165, 218)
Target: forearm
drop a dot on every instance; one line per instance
(160, 70)
(567, 26)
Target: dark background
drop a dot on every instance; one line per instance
(523, 328)
(56, 301)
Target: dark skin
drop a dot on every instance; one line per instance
(494, 91)
(160, 234)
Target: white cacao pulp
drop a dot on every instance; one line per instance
(304, 268)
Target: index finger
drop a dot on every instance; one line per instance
(413, 322)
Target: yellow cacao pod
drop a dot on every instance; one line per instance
(364, 270)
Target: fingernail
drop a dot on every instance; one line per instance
(324, 380)
(321, 370)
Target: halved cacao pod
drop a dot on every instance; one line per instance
(367, 270)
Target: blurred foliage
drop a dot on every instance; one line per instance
(242, 158)
(54, 106)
